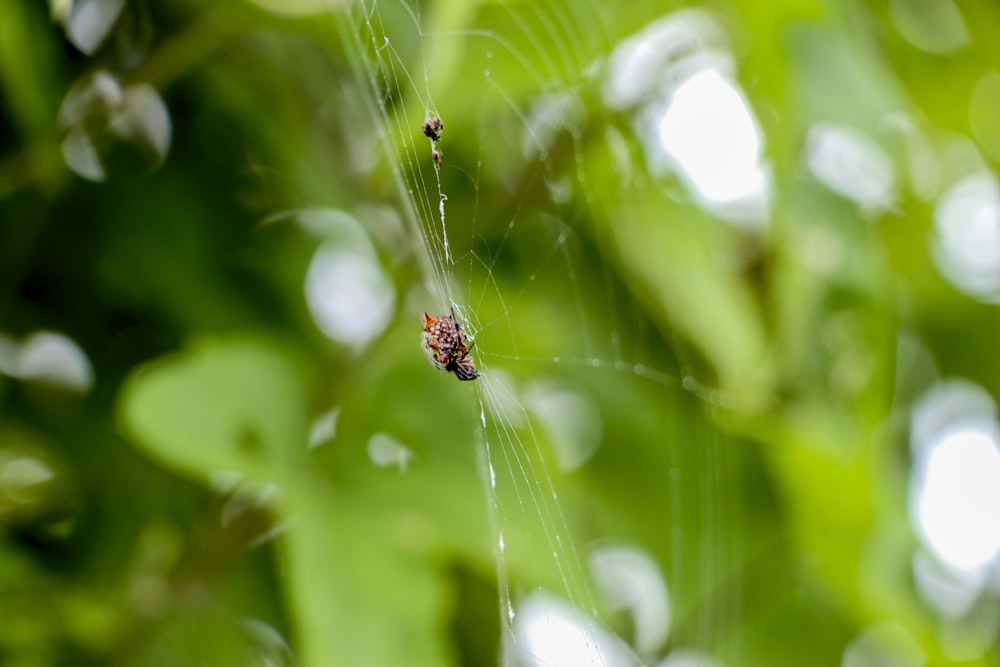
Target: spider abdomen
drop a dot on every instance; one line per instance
(447, 347)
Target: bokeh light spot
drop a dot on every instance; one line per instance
(630, 580)
(552, 633)
(387, 452)
(53, 359)
(711, 134)
(852, 165)
(571, 420)
(959, 494)
(967, 244)
(349, 296)
(691, 116)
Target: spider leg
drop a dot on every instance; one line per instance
(464, 370)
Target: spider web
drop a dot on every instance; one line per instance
(560, 335)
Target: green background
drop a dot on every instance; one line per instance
(763, 463)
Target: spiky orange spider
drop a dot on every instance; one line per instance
(447, 347)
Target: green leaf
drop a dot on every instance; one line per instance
(237, 403)
(234, 403)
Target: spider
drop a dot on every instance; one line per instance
(437, 156)
(432, 128)
(447, 347)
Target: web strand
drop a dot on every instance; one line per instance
(503, 281)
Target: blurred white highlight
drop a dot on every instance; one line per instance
(959, 493)
(55, 359)
(629, 580)
(549, 116)
(97, 108)
(955, 484)
(967, 244)
(691, 115)
(713, 138)
(89, 22)
(570, 419)
(143, 118)
(349, 294)
(48, 358)
(81, 156)
(851, 164)
(387, 452)
(662, 53)
(549, 632)
(324, 428)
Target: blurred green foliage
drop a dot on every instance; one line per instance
(753, 407)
